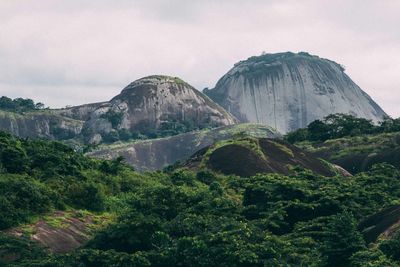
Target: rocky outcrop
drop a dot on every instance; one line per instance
(288, 91)
(247, 157)
(149, 155)
(81, 112)
(42, 124)
(148, 105)
(153, 103)
(385, 222)
(61, 231)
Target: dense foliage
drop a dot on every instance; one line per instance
(19, 105)
(341, 125)
(37, 176)
(181, 218)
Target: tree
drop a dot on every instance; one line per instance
(13, 159)
(318, 131)
(391, 247)
(19, 105)
(342, 240)
(297, 136)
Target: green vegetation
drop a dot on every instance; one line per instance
(353, 143)
(19, 105)
(114, 117)
(341, 125)
(248, 142)
(166, 129)
(37, 176)
(191, 219)
(273, 220)
(181, 218)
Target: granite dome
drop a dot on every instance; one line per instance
(289, 90)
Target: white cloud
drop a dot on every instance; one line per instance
(72, 52)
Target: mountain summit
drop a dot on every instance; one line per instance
(155, 103)
(289, 90)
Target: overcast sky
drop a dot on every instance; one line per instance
(69, 52)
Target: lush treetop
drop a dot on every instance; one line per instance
(19, 105)
(341, 125)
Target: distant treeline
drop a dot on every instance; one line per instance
(341, 125)
(19, 105)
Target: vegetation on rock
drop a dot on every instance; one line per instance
(353, 143)
(341, 125)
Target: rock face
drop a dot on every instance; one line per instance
(288, 91)
(150, 155)
(40, 125)
(248, 156)
(81, 112)
(152, 103)
(385, 222)
(147, 105)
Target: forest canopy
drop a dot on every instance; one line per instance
(183, 218)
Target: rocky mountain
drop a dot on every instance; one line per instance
(155, 103)
(289, 90)
(149, 155)
(151, 106)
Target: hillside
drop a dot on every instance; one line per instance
(353, 143)
(249, 156)
(113, 216)
(358, 153)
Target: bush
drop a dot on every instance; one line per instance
(86, 195)
(21, 198)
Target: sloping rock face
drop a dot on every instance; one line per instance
(150, 155)
(149, 103)
(40, 125)
(384, 222)
(249, 156)
(61, 231)
(81, 112)
(287, 91)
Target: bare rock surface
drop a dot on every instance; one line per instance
(147, 103)
(287, 91)
(61, 231)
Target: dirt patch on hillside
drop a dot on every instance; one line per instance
(60, 232)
